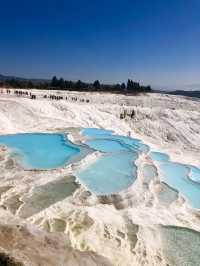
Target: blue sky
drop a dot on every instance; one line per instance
(155, 42)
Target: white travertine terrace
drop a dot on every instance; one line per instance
(138, 226)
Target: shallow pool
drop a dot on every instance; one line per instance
(195, 174)
(115, 170)
(182, 177)
(107, 145)
(158, 156)
(40, 151)
(177, 176)
(110, 173)
(94, 132)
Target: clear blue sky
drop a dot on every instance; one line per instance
(152, 41)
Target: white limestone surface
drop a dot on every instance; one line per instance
(138, 226)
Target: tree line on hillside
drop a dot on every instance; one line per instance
(61, 84)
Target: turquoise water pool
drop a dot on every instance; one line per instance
(184, 178)
(107, 145)
(177, 176)
(158, 156)
(95, 132)
(195, 174)
(109, 174)
(114, 171)
(40, 151)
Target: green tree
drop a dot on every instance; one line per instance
(54, 82)
(80, 85)
(30, 84)
(129, 85)
(97, 85)
(61, 83)
(123, 86)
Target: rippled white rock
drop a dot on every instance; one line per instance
(135, 227)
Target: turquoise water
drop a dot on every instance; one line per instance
(130, 143)
(107, 145)
(94, 132)
(109, 174)
(176, 176)
(158, 156)
(115, 169)
(40, 151)
(183, 178)
(195, 174)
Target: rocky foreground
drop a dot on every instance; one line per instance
(43, 225)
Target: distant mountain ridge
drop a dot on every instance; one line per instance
(195, 94)
(35, 80)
